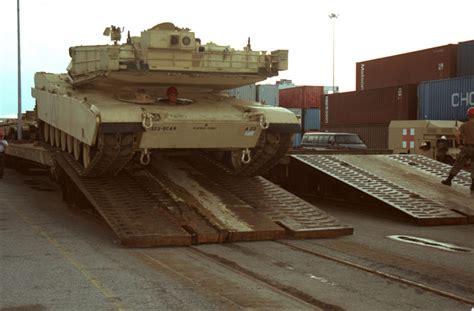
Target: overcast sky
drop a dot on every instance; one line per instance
(364, 30)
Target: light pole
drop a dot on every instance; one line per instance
(19, 136)
(333, 17)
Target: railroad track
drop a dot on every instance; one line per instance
(287, 289)
(377, 272)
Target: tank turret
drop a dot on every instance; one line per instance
(114, 104)
(166, 54)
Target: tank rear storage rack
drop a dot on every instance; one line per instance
(178, 203)
(414, 190)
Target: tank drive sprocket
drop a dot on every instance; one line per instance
(271, 147)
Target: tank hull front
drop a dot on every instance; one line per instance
(199, 121)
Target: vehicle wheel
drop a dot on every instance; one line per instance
(57, 137)
(77, 149)
(86, 155)
(51, 135)
(46, 132)
(70, 144)
(63, 141)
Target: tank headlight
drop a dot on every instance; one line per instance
(186, 40)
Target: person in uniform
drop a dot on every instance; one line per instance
(466, 134)
(442, 147)
(3, 145)
(172, 94)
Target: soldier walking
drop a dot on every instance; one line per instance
(466, 134)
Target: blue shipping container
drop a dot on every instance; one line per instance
(246, 92)
(312, 119)
(268, 94)
(445, 99)
(465, 58)
(297, 139)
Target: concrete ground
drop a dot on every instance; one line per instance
(56, 257)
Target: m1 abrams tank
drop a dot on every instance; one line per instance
(111, 104)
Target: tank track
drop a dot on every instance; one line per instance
(265, 155)
(114, 152)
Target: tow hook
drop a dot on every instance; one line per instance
(147, 120)
(246, 156)
(145, 157)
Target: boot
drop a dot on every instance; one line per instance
(447, 181)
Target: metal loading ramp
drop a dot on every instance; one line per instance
(299, 218)
(174, 204)
(407, 183)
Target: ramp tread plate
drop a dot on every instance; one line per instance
(232, 217)
(137, 219)
(433, 167)
(300, 218)
(424, 210)
(186, 215)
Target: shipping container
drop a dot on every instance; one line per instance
(410, 68)
(246, 92)
(297, 140)
(445, 99)
(301, 97)
(284, 84)
(330, 89)
(311, 119)
(370, 106)
(268, 94)
(466, 58)
(375, 136)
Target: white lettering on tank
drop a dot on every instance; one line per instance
(462, 99)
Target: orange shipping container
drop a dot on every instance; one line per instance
(301, 97)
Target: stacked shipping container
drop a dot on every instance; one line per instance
(368, 113)
(268, 94)
(445, 99)
(380, 99)
(305, 102)
(246, 92)
(465, 59)
(301, 97)
(430, 64)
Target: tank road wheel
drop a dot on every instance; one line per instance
(63, 141)
(46, 132)
(70, 143)
(77, 149)
(57, 137)
(86, 155)
(51, 136)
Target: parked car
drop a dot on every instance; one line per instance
(324, 140)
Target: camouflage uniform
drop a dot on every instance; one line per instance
(466, 153)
